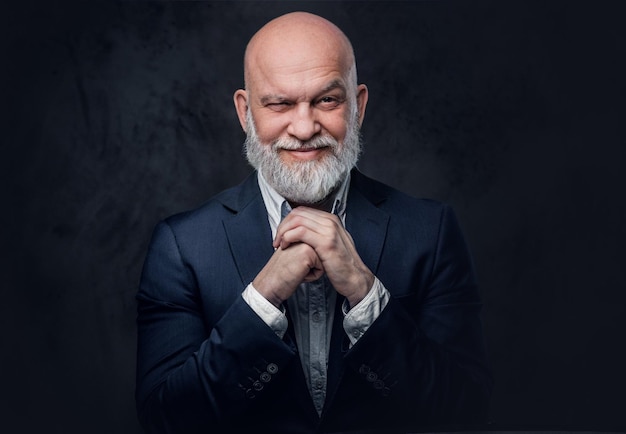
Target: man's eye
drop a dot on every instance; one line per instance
(278, 106)
(329, 102)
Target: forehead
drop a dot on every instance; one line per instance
(298, 76)
(285, 58)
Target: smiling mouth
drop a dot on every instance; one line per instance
(306, 153)
(308, 149)
(305, 149)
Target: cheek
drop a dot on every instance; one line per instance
(336, 126)
(269, 128)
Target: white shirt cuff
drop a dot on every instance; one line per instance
(272, 316)
(357, 320)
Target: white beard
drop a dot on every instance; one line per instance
(304, 182)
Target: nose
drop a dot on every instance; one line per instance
(303, 124)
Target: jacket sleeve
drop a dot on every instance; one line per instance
(192, 375)
(425, 353)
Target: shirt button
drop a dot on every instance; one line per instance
(316, 317)
(356, 333)
(319, 384)
(272, 368)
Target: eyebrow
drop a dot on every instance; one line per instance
(273, 97)
(335, 84)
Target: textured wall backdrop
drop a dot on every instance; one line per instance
(119, 114)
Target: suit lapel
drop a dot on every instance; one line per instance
(365, 221)
(250, 242)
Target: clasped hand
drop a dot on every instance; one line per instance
(309, 243)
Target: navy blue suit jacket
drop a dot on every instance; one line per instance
(208, 363)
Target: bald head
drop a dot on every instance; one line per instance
(297, 38)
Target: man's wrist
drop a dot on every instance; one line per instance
(357, 319)
(270, 296)
(272, 315)
(367, 282)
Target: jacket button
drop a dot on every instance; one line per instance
(364, 369)
(250, 394)
(371, 376)
(378, 384)
(265, 377)
(257, 385)
(272, 368)
(386, 391)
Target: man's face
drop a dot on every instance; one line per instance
(302, 124)
(300, 102)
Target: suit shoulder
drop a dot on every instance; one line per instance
(211, 208)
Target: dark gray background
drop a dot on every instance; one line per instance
(119, 114)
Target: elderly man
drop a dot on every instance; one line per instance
(310, 298)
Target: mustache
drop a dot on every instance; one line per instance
(291, 144)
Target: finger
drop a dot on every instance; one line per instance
(314, 237)
(315, 272)
(319, 223)
(297, 217)
(323, 238)
(313, 275)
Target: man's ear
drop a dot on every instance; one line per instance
(361, 101)
(240, 99)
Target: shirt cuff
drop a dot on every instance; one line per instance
(272, 316)
(357, 320)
